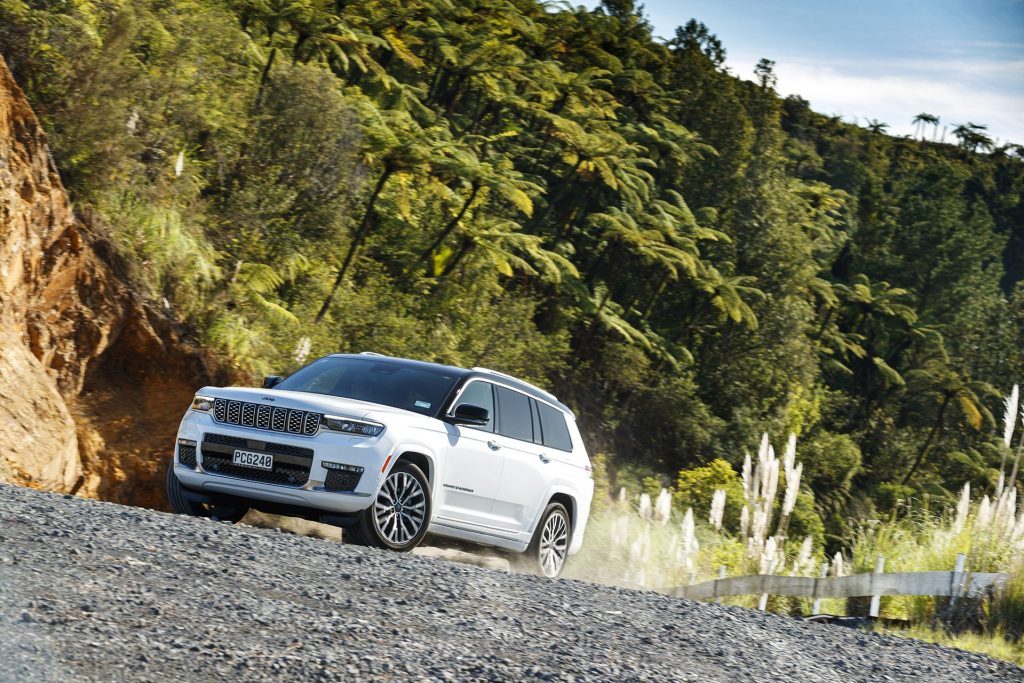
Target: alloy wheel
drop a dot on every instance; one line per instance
(399, 511)
(554, 542)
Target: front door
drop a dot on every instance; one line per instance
(469, 482)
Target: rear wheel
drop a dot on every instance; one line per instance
(550, 545)
(183, 506)
(400, 514)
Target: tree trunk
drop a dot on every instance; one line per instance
(357, 240)
(654, 297)
(928, 442)
(452, 224)
(300, 42)
(467, 245)
(568, 182)
(565, 229)
(265, 77)
(591, 330)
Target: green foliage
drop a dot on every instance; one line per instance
(553, 192)
(1006, 608)
(695, 487)
(805, 521)
(602, 485)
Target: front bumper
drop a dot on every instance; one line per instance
(370, 453)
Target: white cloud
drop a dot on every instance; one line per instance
(989, 92)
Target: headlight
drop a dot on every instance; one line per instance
(202, 403)
(349, 426)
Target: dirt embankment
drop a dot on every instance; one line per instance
(92, 382)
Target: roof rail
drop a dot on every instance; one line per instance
(516, 379)
(372, 353)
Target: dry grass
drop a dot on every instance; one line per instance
(994, 645)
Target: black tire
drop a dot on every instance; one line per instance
(358, 533)
(400, 513)
(183, 506)
(549, 548)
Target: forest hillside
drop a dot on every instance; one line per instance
(683, 256)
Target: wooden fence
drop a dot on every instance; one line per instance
(954, 584)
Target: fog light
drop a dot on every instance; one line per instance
(342, 467)
(186, 442)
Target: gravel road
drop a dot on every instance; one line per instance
(97, 591)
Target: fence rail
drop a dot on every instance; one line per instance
(953, 584)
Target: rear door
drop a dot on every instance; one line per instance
(525, 473)
(472, 470)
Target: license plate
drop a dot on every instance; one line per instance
(260, 461)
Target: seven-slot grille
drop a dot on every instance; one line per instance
(291, 463)
(303, 422)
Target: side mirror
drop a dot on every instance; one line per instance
(467, 414)
(271, 381)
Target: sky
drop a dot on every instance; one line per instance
(960, 60)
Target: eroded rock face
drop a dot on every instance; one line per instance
(40, 443)
(92, 382)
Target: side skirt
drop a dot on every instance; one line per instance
(483, 538)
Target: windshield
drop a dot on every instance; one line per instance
(420, 390)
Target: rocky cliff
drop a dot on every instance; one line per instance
(92, 381)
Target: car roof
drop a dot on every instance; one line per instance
(464, 374)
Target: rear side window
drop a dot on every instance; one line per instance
(479, 394)
(514, 419)
(556, 431)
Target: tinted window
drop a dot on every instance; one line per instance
(479, 394)
(419, 389)
(514, 417)
(556, 432)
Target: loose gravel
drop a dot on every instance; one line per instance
(94, 591)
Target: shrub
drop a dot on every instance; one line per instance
(694, 489)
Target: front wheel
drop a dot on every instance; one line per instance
(550, 545)
(400, 514)
(183, 506)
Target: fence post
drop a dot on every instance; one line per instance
(876, 599)
(721, 575)
(816, 607)
(956, 587)
(762, 604)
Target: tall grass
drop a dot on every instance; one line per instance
(640, 542)
(637, 542)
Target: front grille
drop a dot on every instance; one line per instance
(225, 440)
(272, 418)
(284, 474)
(187, 455)
(257, 445)
(291, 463)
(338, 480)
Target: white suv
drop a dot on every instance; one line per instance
(391, 449)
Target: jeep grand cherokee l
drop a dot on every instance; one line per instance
(392, 449)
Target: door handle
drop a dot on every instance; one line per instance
(493, 445)
(543, 458)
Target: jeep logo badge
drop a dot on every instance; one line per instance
(267, 398)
